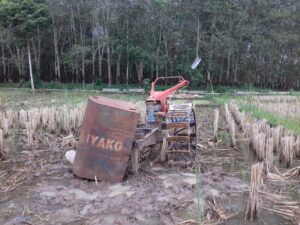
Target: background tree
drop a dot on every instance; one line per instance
(24, 19)
(125, 41)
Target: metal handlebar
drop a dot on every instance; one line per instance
(180, 78)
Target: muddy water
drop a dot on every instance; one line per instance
(235, 186)
(233, 169)
(51, 194)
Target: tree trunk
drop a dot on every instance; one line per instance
(158, 51)
(119, 69)
(3, 60)
(36, 51)
(9, 70)
(39, 52)
(93, 59)
(74, 39)
(127, 53)
(140, 71)
(100, 57)
(109, 66)
(19, 61)
(221, 72)
(127, 72)
(198, 38)
(228, 67)
(30, 67)
(35, 54)
(56, 55)
(82, 29)
(22, 66)
(83, 64)
(235, 73)
(156, 64)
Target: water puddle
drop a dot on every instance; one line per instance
(119, 189)
(139, 218)
(175, 179)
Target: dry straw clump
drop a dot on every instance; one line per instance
(258, 141)
(1, 118)
(283, 206)
(284, 106)
(292, 173)
(53, 117)
(287, 150)
(62, 119)
(230, 125)
(276, 134)
(216, 122)
(269, 158)
(23, 118)
(254, 202)
(5, 126)
(69, 141)
(297, 147)
(10, 116)
(264, 140)
(260, 146)
(1, 140)
(289, 175)
(238, 116)
(29, 132)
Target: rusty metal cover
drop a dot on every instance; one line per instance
(106, 136)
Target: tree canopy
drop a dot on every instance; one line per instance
(119, 41)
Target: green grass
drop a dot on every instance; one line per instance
(99, 86)
(295, 93)
(234, 89)
(224, 137)
(80, 86)
(221, 99)
(77, 86)
(245, 104)
(16, 99)
(288, 123)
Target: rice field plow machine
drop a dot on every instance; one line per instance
(112, 135)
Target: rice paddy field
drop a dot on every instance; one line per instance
(285, 106)
(16, 99)
(246, 169)
(278, 110)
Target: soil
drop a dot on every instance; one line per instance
(38, 186)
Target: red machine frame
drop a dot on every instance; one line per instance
(161, 96)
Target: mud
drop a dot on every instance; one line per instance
(43, 190)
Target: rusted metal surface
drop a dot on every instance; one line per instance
(145, 137)
(106, 138)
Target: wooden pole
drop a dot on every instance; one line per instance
(30, 67)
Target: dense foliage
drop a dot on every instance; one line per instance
(125, 41)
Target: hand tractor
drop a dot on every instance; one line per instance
(111, 134)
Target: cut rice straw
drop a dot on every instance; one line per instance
(216, 122)
(286, 176)
(282, 205)
(1, 141)
(254, 202)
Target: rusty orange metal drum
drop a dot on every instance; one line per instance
(106, 137)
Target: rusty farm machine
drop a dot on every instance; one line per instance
(111, 133)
